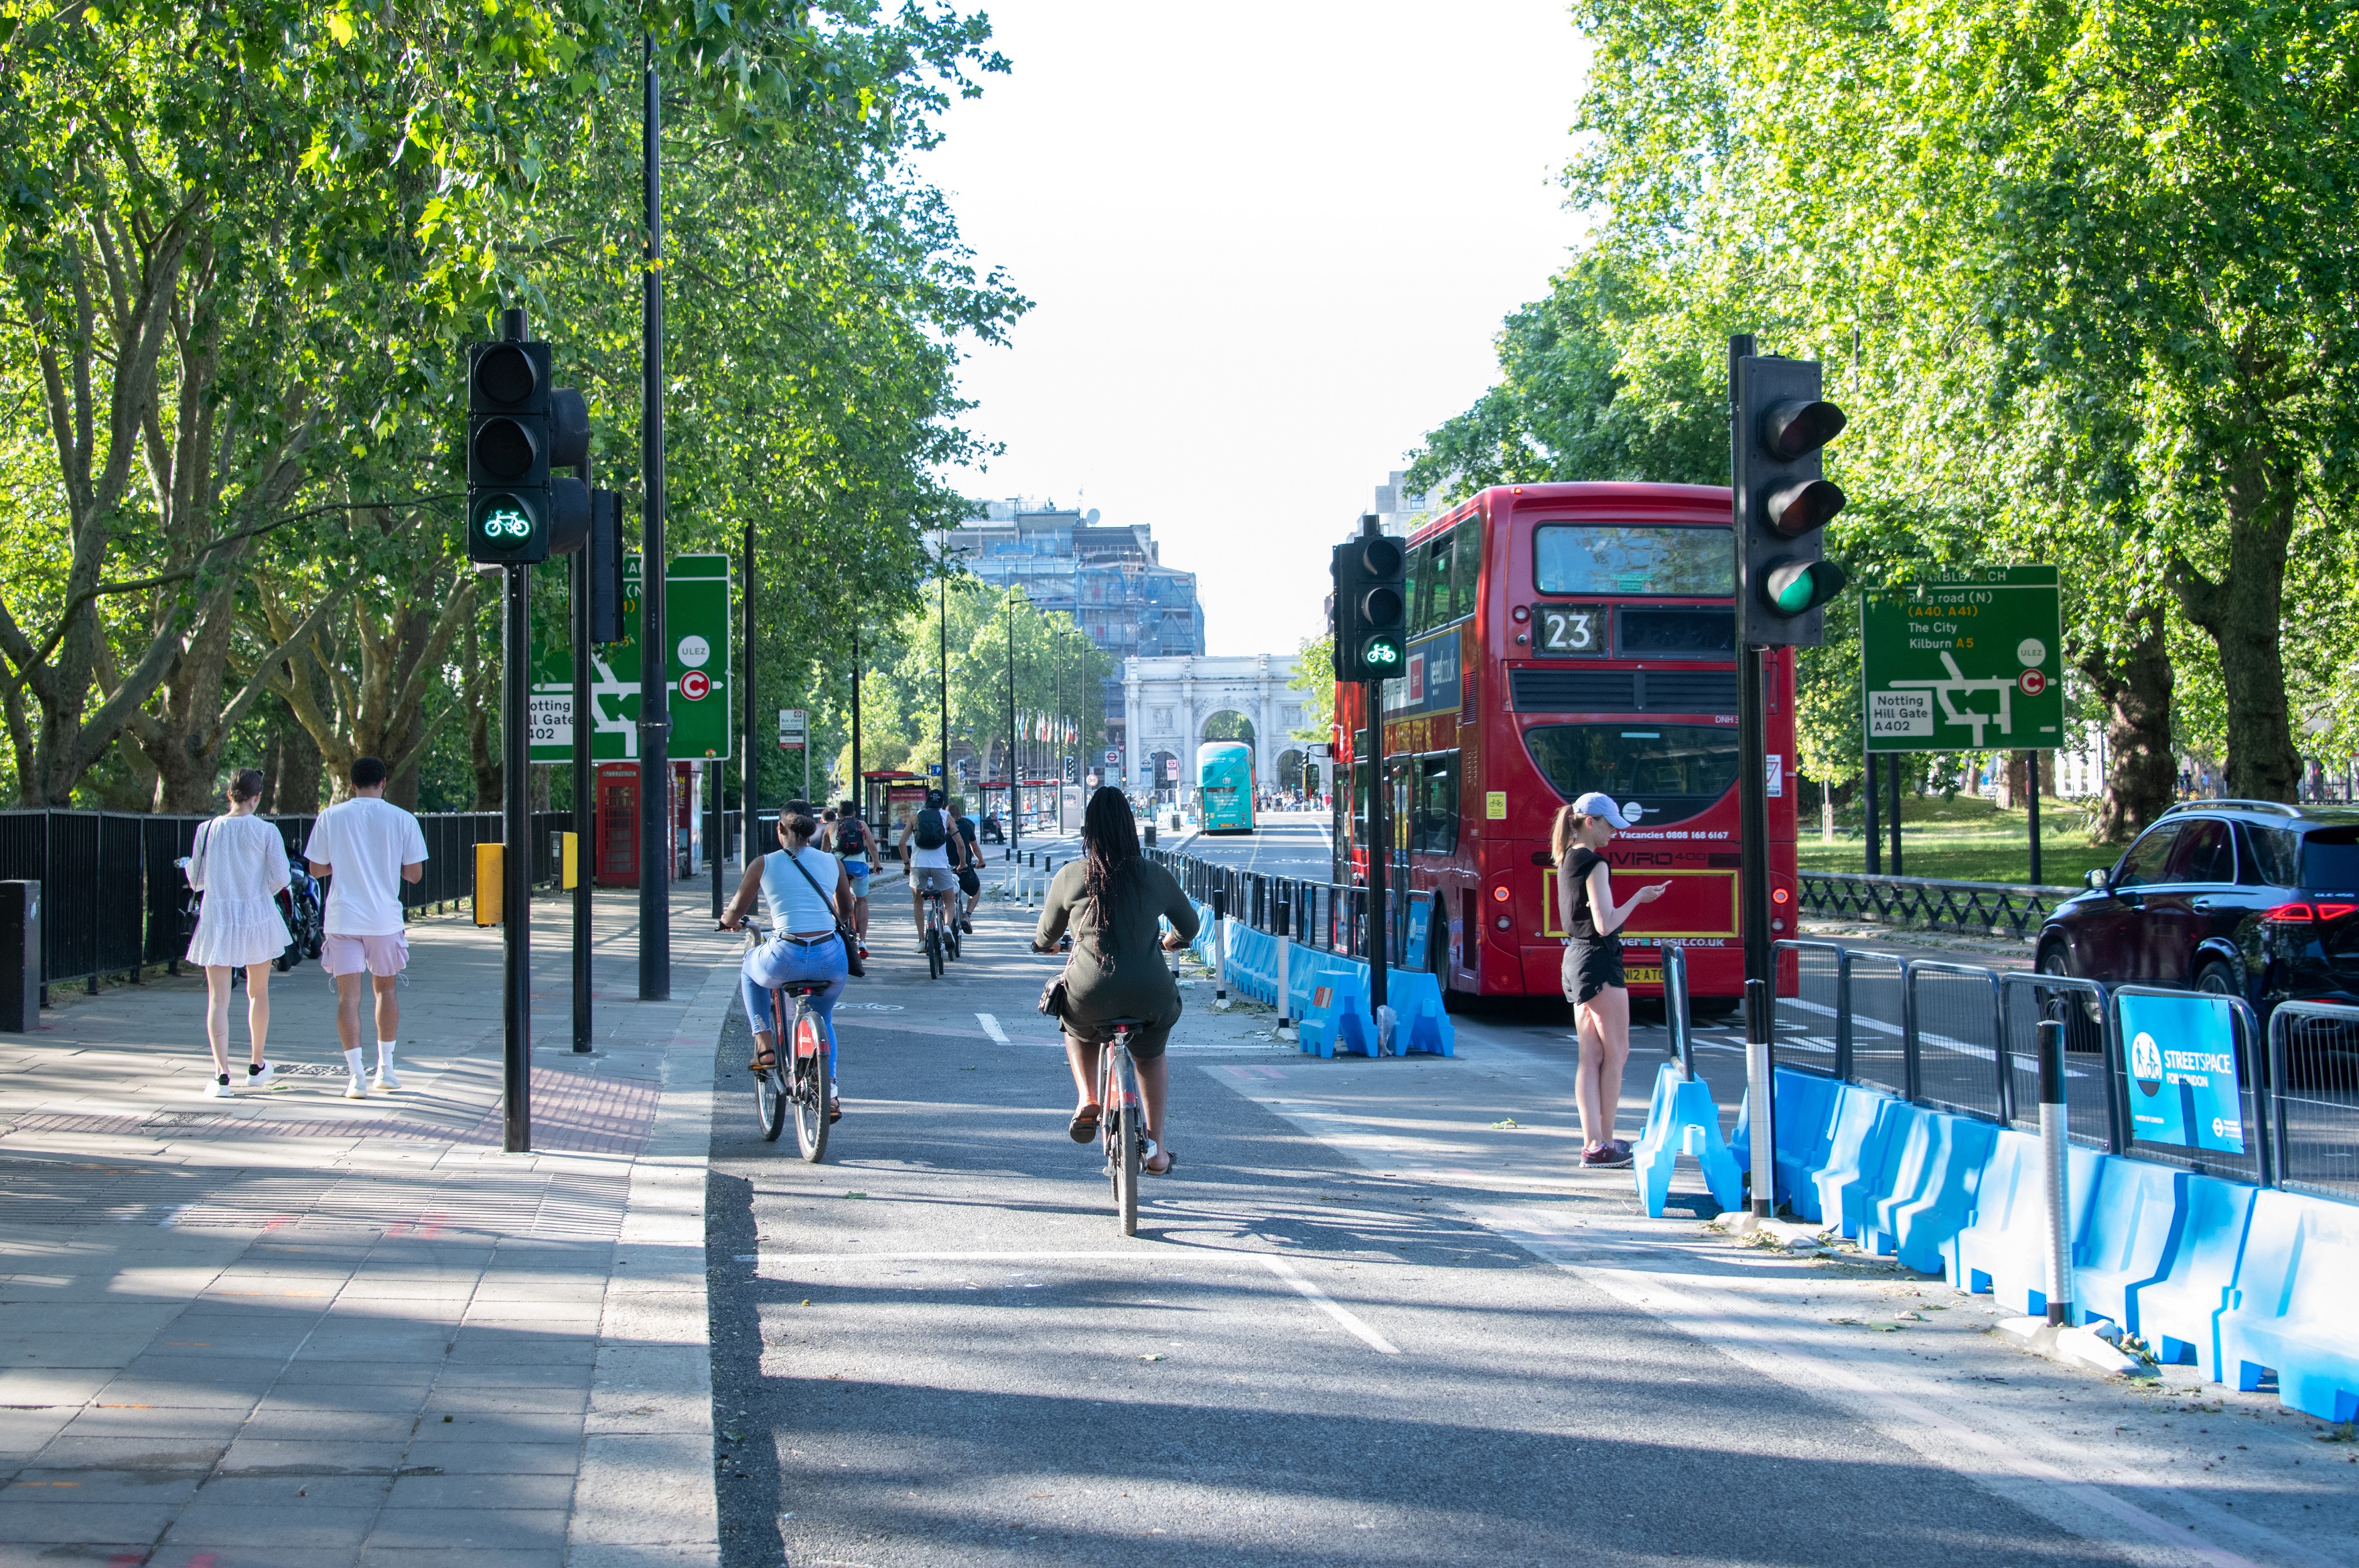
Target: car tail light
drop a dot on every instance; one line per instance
(2295, 914)
(2336, 911)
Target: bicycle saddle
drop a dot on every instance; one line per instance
(804, 987)
(1124, 1023)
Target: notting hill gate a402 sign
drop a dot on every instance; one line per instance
(1969, 659)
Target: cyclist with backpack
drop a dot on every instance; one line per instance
(933, 852)
(970, 875)
(852, 840)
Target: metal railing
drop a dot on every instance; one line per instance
(1973, 908)
(2313, 1060)
(112, 899)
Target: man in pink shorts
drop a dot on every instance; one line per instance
(367, 847)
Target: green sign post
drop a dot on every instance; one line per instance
(1969, 659)
(696, 618)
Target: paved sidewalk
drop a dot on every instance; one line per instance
(290, 1329)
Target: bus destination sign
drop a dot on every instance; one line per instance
(1969, 658)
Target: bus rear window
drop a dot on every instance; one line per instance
(1673, 771)
(1630, 558)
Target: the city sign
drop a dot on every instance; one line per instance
(696, 615)
(1970, 659)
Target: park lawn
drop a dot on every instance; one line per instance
(1967, 840)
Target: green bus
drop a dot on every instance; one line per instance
(1226, 782)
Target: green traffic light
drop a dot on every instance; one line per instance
(1799, 587)
(1380, 651)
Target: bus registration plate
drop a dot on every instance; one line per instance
(1648, 975)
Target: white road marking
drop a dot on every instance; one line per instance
(991, 1027)
(1128, 1257)
(1319, 1298)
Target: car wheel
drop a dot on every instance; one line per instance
(2214, 978)
(2083, 1023)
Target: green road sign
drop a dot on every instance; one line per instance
(1969, 659)
(696, 617)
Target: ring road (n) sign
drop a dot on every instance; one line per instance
(1970, 659)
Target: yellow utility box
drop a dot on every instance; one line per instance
(572, 875)
(489, 883)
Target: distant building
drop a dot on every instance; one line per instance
(1398, 508)
(1108, 578)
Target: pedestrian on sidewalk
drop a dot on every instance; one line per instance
(239, 864)
(369, 847)
(1111, 897)
(1594, 981)
(807, 898)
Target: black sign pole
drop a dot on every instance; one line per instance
(2031, 767)
(515, 864)
(585, 818)
(655, 706)
(749, 771)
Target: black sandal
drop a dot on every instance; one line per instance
(1170, 1163)
(1084, 1125)
(767, 1062)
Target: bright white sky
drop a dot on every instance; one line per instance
(1269, 245)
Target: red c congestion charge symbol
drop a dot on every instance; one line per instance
(2032, 683)
(695, 685)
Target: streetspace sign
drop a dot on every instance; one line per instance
(1970, 659)
(696, 619)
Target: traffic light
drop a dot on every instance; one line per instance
(1370, 619)
(1783, 500)
(519, 426)
(606, 566)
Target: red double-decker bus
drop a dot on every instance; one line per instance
(1565, 639)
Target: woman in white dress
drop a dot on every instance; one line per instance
(239, 863)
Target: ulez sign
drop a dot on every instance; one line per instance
(1969, 658)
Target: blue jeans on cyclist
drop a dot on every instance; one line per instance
(788, 961)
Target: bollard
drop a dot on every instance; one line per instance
(1220, 950)
(2055, 1145)
(1285, 949)
(1675, 1009)
(1756, 1073)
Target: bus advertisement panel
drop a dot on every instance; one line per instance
(1224, 784)
(1565, 639)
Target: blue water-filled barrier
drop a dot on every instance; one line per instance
(1327, 994)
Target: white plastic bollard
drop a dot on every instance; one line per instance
(1762, 1117)
(1220, 951)
(2055, 1148)
(1285, 991)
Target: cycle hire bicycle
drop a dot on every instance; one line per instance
(802, 1079)
(1122, 1118)
(942, 942)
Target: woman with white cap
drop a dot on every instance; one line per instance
(1594, 981)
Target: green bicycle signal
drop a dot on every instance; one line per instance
(506, 522)
(1381, 652)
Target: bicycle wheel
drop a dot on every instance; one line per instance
(811, 1089)
(934, 951)
(950, 938)
(770, 1102)
(1122, 1159)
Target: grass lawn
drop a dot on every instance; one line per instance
(1965, 840)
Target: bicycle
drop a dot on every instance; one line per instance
(941, 935)
(803, 1084)
(1122, 1118)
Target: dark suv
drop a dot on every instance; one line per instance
(2244, 897)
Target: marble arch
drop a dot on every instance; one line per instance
(1167, 701)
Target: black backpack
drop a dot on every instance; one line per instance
(851, 836)
(930, 833)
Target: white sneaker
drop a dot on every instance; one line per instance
(356, 1089)
(217, 1088)
(386, 1078)
(269, 1075)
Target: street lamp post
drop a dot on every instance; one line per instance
(1014, 817)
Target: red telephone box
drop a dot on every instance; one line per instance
(618, 824)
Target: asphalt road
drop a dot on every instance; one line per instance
(1376, 1316)
(1285, 843)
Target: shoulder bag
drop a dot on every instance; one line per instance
(851, 963)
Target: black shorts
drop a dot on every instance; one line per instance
(1591, 966)
(970, 883)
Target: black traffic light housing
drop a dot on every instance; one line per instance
(1370, 618)
(1783, 501)
(605, 546)
(519, 426)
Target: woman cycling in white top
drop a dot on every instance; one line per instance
(805, 894)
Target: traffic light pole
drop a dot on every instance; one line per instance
(1753, 818)
(655, 706)
(516, 863)
(1377, 844)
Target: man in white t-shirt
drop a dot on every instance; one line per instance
(369, 847)
(932, 866)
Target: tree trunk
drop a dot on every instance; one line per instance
(2244, 612)
(2141, 773)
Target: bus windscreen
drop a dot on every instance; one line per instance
(1625, 559)
(1673, 771)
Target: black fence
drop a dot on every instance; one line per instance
(112, 895)
(1971, 909)
(1964, 1039)
(1330, 916)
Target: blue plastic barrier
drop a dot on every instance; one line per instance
(2127, 1241)
(1804, 1118)
(2178, 1315)
(1683, 1120)
(1855, 1135)
(2291, 1311)
(2003, 1250)
(1926, 1190)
